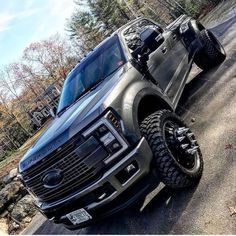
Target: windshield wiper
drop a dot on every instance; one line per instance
(95, 85)
(112, 72)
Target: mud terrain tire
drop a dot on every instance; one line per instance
(212, 54)
(172, 172)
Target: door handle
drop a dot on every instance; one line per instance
(174, 37)
(164, 50)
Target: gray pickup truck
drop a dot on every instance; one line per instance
(115, 135)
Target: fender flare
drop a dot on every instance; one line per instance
(130, 116)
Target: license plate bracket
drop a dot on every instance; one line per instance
(78, 216)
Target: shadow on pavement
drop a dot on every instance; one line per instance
(162, 212)
(221, 29)
(157, 217)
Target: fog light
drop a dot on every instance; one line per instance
(129, 168)
(128, 172)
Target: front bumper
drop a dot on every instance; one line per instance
(111, 193)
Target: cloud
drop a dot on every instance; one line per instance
(61, 8)
(27, 13)
(57, 13)
(6, 19)
(31, 20)
(4, 28)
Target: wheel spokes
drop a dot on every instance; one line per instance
(181, 143)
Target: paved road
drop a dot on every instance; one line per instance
(209, 98)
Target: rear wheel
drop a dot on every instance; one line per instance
(177, 155)
(212, 53)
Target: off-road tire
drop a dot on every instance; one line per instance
(212, 54)
(171, 172)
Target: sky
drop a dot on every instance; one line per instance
(26, 21)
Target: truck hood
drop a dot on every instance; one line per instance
(75, 118)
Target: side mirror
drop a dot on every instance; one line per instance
(152, 38)
(53, 112)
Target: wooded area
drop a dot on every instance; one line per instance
(48, 61)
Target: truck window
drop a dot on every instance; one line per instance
(132, 33)
(100, 63)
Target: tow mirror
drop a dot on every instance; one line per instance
(53, 112)
(152, 38)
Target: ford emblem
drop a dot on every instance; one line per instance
(52, 179)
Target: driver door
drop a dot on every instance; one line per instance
(160, 64)
(169, 64)
(159, 60)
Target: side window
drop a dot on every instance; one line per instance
(132, 33)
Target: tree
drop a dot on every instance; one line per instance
(9, 91)
(8, 113)
(84, 32)
(21, 83)
(109, 15)
(89, 27)
(49, 60)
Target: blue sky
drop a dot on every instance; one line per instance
(26, 21)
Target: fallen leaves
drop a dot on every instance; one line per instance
(232, 211)
(229, 146)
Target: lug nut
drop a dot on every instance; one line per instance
(182, 130)
(192, 150)
(194, 141)
(181, 138)
(184, 146)
(169, 130)
(190, 135)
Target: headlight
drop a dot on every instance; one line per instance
(113, 119)
(106, 130)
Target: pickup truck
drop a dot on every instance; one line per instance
(115, 134)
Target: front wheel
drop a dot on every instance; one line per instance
(177, 155)
(212, 54)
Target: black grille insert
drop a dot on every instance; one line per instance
(80, 163)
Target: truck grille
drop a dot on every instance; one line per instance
(78, 161)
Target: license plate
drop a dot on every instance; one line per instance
(78, 216)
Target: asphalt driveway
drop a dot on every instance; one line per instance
(210, 101)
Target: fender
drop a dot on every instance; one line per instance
(131, 102)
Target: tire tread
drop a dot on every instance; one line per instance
(170, 172)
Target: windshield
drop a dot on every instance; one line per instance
(93, 69)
